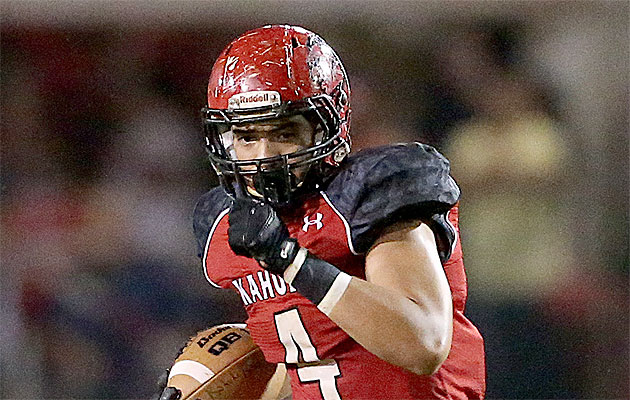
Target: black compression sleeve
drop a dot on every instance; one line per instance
(320, 282)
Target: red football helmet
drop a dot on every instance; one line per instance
(271, 72)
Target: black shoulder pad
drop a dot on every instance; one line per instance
(385, 185)
(208, 208)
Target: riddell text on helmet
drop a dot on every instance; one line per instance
(265, 98)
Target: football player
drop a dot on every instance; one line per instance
(349, 266)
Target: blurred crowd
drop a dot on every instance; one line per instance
(102, 162)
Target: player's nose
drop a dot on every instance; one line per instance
(266, 148)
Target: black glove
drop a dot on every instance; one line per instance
(166, 393)
(257, 232)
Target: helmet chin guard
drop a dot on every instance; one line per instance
(275, 72)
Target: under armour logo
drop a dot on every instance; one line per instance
(317, 222)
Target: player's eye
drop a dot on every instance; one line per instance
(285, 136)
(245, 138)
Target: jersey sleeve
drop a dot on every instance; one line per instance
(396, 183)
(208, 208)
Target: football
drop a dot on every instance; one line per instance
(221, 362)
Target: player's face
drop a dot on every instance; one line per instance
(272, 138)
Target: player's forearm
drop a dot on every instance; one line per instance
(415, 336)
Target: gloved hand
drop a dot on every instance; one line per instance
(257, 232)
(166, 393)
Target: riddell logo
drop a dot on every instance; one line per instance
(254, 99)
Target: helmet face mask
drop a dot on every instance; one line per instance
(277, 179)
(271, 73)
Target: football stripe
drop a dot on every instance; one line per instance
(194, 369)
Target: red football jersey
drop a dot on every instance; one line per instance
(323, 361)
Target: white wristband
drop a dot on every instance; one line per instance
(294, 267)
(335, 292)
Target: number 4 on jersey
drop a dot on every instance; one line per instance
(296, 341)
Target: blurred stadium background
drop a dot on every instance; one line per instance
(102, 163)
